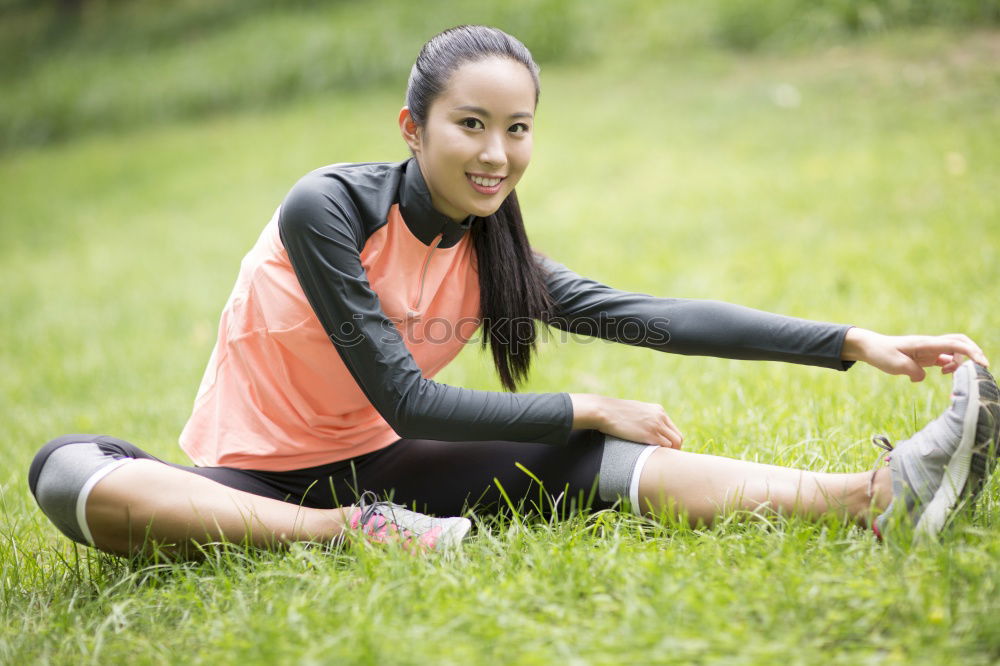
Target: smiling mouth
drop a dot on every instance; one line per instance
(484, 184)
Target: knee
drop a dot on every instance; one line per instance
(38, 462)
(61, 476)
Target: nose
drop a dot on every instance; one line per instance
(494, 152)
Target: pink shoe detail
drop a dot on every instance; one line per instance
(430, 539)
(377, 527)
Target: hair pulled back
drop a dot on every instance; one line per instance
(513, 295)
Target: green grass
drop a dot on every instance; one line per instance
(870, 201)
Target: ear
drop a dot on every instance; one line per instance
(409, 129)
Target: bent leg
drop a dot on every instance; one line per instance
(703, 487)
(147, 501)
(108, 493)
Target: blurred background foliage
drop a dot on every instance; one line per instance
(69, 67)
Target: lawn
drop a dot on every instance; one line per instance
(852, 183)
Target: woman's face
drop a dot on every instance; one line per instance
(476, 141)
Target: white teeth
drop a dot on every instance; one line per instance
(486, 182)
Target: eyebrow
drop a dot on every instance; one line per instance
(483, 112)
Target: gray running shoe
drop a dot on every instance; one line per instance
(949, 459)
(383, 522)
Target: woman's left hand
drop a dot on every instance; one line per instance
(910, 354)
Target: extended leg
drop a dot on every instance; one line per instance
(948, 460)
(705, 486)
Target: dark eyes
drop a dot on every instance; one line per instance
(476, 123)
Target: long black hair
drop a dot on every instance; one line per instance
(513, 296)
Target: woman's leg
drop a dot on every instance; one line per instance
(703, 487)
(148, 501)
(949, 459)
(105, 492)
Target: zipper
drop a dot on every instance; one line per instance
(423, 273)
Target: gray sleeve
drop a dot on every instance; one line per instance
(686, 326)
(323, 234)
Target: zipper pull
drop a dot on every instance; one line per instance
(413, 313)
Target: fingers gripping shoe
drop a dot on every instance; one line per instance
(382, 522)
(949, 459)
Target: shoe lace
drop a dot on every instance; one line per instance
(882, 442)
(371, 507)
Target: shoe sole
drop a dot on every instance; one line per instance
(974, 458)
(985, 451)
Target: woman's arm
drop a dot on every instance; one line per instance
(720, 329)
(323, 233)
(686, 326)
(896, 355)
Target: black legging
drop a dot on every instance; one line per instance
(441, 478)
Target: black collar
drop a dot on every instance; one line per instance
(423, 220)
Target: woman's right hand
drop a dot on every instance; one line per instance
(644, 422)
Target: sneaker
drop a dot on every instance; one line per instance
(949, 459)
(383, 522)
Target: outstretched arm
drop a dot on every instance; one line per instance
(894, 354)
(721, 329)
(910, 354)
(687, 326)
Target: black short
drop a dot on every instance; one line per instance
(441, 478)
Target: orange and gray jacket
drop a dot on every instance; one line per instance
(358, 292)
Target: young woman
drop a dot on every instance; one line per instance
(370, 278)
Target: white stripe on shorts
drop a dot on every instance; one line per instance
(633, 490)
(81, 501)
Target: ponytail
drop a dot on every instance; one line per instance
(513, 296)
